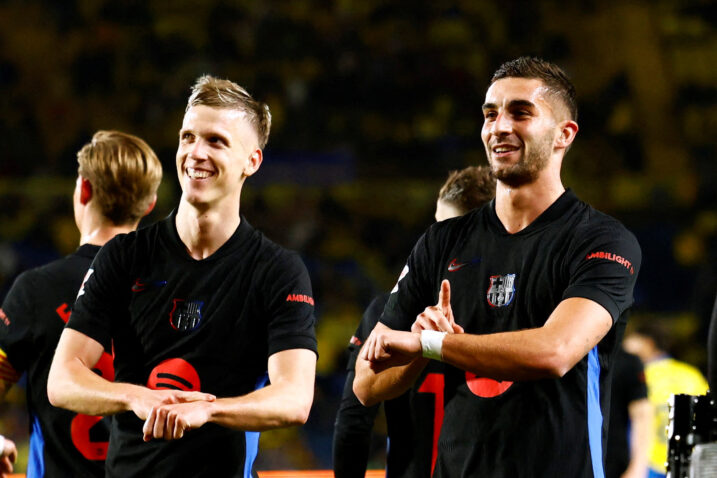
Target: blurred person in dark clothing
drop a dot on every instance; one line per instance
(414, 418)
(665, 376)
(631, 418)
(116, 186)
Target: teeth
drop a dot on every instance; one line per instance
(504, 150)
(196, 174)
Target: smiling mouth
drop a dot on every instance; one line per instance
(198, 173)
(504, 150)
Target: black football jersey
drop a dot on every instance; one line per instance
(180, 323)
(506, 282)
(34, 312)
(413, 420)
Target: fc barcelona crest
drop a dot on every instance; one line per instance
(501, 290)
(186, 314)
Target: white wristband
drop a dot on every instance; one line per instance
(2, 445)
(432, 344)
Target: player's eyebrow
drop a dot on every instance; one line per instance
(511, 104)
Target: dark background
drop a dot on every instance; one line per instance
(373, 103)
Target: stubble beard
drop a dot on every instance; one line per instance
(528, 168)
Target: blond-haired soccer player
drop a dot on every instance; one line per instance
(116, 186)
(212, 324)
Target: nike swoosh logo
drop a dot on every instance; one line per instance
(139, 286)
(454, 266)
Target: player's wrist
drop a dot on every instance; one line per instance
(432, 344)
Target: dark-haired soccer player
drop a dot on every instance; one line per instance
(212, 324)
(537, 281)
(413, 419)
(117, 183)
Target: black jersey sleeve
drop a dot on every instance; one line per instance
(414, 290)
(605, 263)
(289, 305)
(102, 298)
(16, 333)
(354, 422)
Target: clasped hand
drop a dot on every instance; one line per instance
(168, 414)
(394, 347)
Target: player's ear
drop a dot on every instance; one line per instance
(151, 205)
(254, 162)
(85, 191)
(568, 131)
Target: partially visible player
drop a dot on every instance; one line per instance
(631, 419)
(116, 186)
(211, 323)
(414, 418)
(538, 281)
(665, 376)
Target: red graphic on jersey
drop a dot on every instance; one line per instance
(64, 312)
(300, 298)
(435, 383)
(4, 318)
(612, 257)
(81, 425)
(486, 387)
(174, 374)
(80, 432)
(355, 341)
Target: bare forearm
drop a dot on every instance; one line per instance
(641, 418)
(273, 406)
(75, 387)
(505, 356)
(377, 381)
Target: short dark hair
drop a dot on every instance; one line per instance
(551, 74)
(468, 188)
(656, 332)
(218, 93)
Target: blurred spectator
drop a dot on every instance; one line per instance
(665, 376)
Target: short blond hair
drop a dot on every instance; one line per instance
(218, 93)
(124, 172)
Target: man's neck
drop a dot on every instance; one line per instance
(518, 207)
(95, 229)
(204, 231)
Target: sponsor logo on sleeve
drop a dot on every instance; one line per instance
(612, 257)
(300, 298)
(4, 318)
(355, 341)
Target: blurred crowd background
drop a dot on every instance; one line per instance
(373, 103)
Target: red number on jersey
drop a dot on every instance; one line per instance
(435, 383)
(81, 424)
